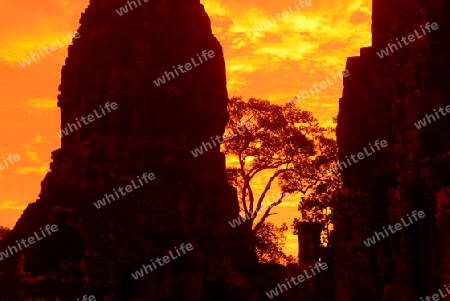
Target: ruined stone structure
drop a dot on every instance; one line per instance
(153, 130)
(382, 99)
(321, 287)
(116, 59)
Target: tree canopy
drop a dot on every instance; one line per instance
(291, 147)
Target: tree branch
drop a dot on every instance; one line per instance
(244, 177)
(269, 183)
(266, 215)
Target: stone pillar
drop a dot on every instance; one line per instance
(308, 255)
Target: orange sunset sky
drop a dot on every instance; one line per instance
(300, 50)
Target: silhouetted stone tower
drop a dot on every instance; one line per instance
(154, 129)
(382, 99)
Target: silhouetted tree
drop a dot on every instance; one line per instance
(269, 243)
(285, 142)
(317, 206)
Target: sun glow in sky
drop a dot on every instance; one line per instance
(268, 62)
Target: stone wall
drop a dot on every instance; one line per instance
(382, 99)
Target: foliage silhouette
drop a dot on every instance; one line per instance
(284, 144)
